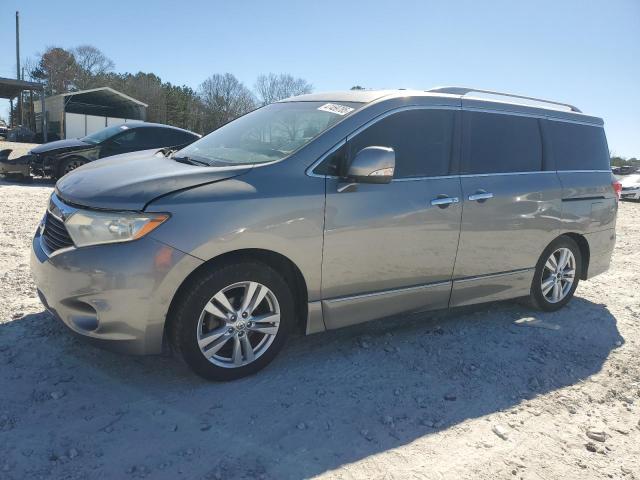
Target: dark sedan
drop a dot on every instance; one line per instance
(55, 159)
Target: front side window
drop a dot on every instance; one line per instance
(578, 147)
(270, 133)
(501, 143)
(131, 138)
(421, 139)
(104, 134)
(152, 137)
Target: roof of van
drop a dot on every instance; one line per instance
(477, 98)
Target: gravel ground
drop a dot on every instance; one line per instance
(496, 391)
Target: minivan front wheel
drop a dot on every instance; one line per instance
(233, 320)
(557, 274)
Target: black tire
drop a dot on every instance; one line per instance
(69, 164)
(183, 323)
(537, 299)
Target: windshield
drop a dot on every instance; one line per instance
(267, 134)
(104, 134)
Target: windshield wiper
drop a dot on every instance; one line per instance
(191, 161)
(167, 151)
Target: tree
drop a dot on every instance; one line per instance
(617, 161)
(86, 67)
(273, 87)
(224, 98)
(183, 107)
(58, 69)
(357, 87)
(146, 87)
(91, 63)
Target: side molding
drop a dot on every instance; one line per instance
(492, 287)
(345, 311)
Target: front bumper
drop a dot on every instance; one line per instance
(20, 166)
(117, 294)
(630, 194)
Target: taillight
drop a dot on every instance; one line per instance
(617, 187)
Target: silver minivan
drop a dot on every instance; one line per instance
(327, 210)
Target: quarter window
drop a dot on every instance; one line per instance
(501, 143)
(421, 139)
(332, 164)
(578, 147)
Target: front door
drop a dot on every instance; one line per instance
(387, 248)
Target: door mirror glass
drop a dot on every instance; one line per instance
(372, 165)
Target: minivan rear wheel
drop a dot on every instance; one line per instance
(233, 320)
(557, 275)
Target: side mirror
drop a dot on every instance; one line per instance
(372, 165)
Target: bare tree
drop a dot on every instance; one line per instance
(58, 69)
(225, 98)
(273, 87)
(91, 63)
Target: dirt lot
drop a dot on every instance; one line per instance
(498, 391)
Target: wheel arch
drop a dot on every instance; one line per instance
(61, 160)
(585, 251)
(282, 264)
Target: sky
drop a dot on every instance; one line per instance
(584, 52)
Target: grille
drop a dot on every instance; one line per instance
(55, 234)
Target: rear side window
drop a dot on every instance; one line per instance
(578, 147)
(421, 139)
(154, 137)
(501, 143)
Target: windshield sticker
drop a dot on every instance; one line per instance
(335, 108)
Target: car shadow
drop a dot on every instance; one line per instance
(328, 400)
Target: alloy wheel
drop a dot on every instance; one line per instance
(558, 275)
(73, 165)
(238, 324)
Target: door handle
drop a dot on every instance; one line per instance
(480, 196)
(443, 202)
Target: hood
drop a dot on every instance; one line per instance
(69, 144)
(131, 181)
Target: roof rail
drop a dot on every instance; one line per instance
(464, 91)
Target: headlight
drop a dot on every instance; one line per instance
(87, 227)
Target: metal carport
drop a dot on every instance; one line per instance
(97, 106)
(10, 88)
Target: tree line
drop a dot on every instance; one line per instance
(218, 99)
(617, 161)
